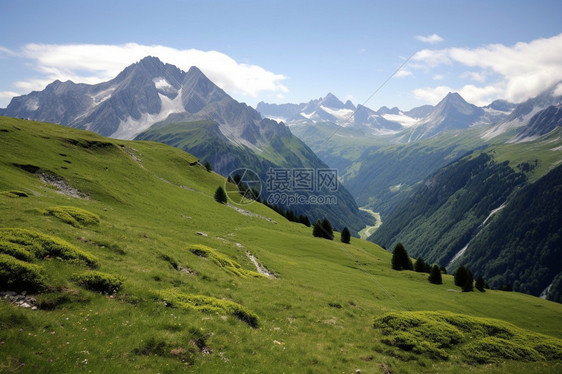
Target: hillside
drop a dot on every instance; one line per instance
(203, 139)
(189, 297)
(493, 211)
(151, 100)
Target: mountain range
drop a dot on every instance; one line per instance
(150, 100)
(456, 179)
(445, 179)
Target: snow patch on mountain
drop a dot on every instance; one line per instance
(32, 105)
(131, 127)
(402, 119)
(163, 85)
(102, 96)
(340, 114)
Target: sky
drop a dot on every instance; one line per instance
(391, 53)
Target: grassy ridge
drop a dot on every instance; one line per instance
(317, 316)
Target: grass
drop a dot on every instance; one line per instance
(316, 317)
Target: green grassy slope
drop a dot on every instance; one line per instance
(182, 307)
(204, 139)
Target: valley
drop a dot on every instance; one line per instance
(369, 230)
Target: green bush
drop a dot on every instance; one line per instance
(17, 275)
(42, 245)
(98, 281)
(73, 216)
(208, 304)
(16, 250)
(14, 193)
(418, 332)
(477, 340)
(492, 349)
(223, 261)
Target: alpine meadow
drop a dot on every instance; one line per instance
(209, 187)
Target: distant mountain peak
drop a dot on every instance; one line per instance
(331, 101)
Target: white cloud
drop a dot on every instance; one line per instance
(7, 94)
(431, 39)
(558, 90)
(479, 96)
(475, 76)
(432, 95)
(403, 73)
(438, 77)
(95, 63)
(523, 70)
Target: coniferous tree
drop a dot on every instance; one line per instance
(396, 263)
(220, 196)
(290, 215)
(208, 166)
(479, 285)
(435, 275)
(468, 283)
(400, 258)
(460, 276)
(317, 229)
(420, 265)
(327, 229)
(345, 235)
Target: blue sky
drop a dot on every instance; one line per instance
(294, 51)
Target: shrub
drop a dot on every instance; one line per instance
(15, 250)
(480, 340)
(42, 245)
(98, 281)
(493, 349)
(73, 216)
(417, 333)
(208, 304)
(17, 275)
(223, 261)
(14, 193)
